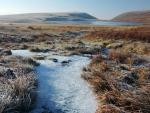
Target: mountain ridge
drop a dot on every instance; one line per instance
(46, 17)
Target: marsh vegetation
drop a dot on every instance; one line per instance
(118, 72)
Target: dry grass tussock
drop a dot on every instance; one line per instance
(131, 33)
(121, 82)
(17, 85)
(17, 94)
(137, 48)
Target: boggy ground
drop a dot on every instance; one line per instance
(74, 39)
(120, 76)
(121, 82)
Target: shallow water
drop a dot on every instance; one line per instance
(96, 22)
(61, 88)
(111, 23)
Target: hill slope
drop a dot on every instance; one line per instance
(45, 17)
(138, 16)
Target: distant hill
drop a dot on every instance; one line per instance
(137, 16)
(46, 17)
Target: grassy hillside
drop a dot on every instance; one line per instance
(138, 16)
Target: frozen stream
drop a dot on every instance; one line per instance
(61, 88)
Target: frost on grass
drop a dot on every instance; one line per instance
(121, 83)
(17, 84)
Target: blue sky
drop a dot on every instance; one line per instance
(103, 9)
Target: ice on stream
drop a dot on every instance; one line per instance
(61, 88)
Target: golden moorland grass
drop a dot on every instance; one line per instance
(120, 83)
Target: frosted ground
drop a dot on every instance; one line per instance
(61, 88)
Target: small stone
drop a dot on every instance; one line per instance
(66, 62)
(55, 60)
